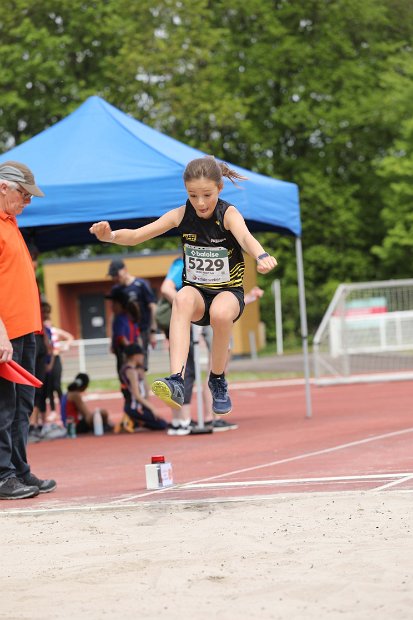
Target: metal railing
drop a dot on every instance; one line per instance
(93, 356)
(367, 330)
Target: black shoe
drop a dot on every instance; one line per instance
(44, 486)
(221, 402)
(170, 390)
(13, 488)
(221, 425)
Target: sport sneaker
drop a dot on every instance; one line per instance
(33, 437)
(44, 486)
(170, 390)
(179, 429)
(53, 431)
(221, 402)
(221, 425)
(13, 488)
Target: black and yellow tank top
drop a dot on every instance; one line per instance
(213, 258)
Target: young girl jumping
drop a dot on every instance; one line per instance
(213, 235)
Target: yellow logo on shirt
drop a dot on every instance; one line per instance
(189, 236)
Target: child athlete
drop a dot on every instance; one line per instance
(213, 235)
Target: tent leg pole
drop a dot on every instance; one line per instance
(200, 429)
(303, 318)
(198, 380)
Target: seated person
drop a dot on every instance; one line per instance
(135, 391)
(75, 410)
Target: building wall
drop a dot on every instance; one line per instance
(65, 280)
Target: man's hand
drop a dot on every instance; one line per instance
(153, 339)
(6, 348)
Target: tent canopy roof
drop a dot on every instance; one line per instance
(101, 164)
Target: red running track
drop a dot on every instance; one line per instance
(359, 438)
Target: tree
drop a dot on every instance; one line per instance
(310, 91)
(51, 57)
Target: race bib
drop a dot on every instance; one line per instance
(206, 265)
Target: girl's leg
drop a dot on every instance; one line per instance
(188, 306)
(223, 312)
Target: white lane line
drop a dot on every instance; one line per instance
(145, 494)
(251, 483)
(306, 455)
(133, 506)
(127, 502)
(120, 502)
(273, 463)
(394, 483)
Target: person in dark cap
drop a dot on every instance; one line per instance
(115, 266)
(20, 319)
(139, 290)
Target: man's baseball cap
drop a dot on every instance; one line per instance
(21, 174)
(115, 266)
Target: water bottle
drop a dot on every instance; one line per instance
(71, 428)
(97, 423)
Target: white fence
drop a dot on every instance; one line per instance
(366, 332)
(93, 357)
(387, 332)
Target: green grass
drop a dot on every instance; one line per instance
(112, 385)
(271, 349)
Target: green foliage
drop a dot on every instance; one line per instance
(317, 92)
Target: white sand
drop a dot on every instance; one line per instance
(347, 555)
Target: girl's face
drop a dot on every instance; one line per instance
(203, 194)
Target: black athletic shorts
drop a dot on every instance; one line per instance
(209, 296)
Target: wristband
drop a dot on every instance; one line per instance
(112, 236)
(261, 256)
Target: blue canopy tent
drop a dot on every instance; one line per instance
(98, 163)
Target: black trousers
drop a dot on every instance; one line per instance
(144, 417)
(16, 406)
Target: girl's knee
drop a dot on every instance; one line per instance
(186, 301)
(221, 316)
(224, 309)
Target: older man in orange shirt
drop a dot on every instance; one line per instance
(19, 320)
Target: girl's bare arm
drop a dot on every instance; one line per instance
(234, 222)
(129, 236)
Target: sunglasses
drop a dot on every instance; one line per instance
(26, 195)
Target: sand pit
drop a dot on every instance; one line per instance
(312, 556)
